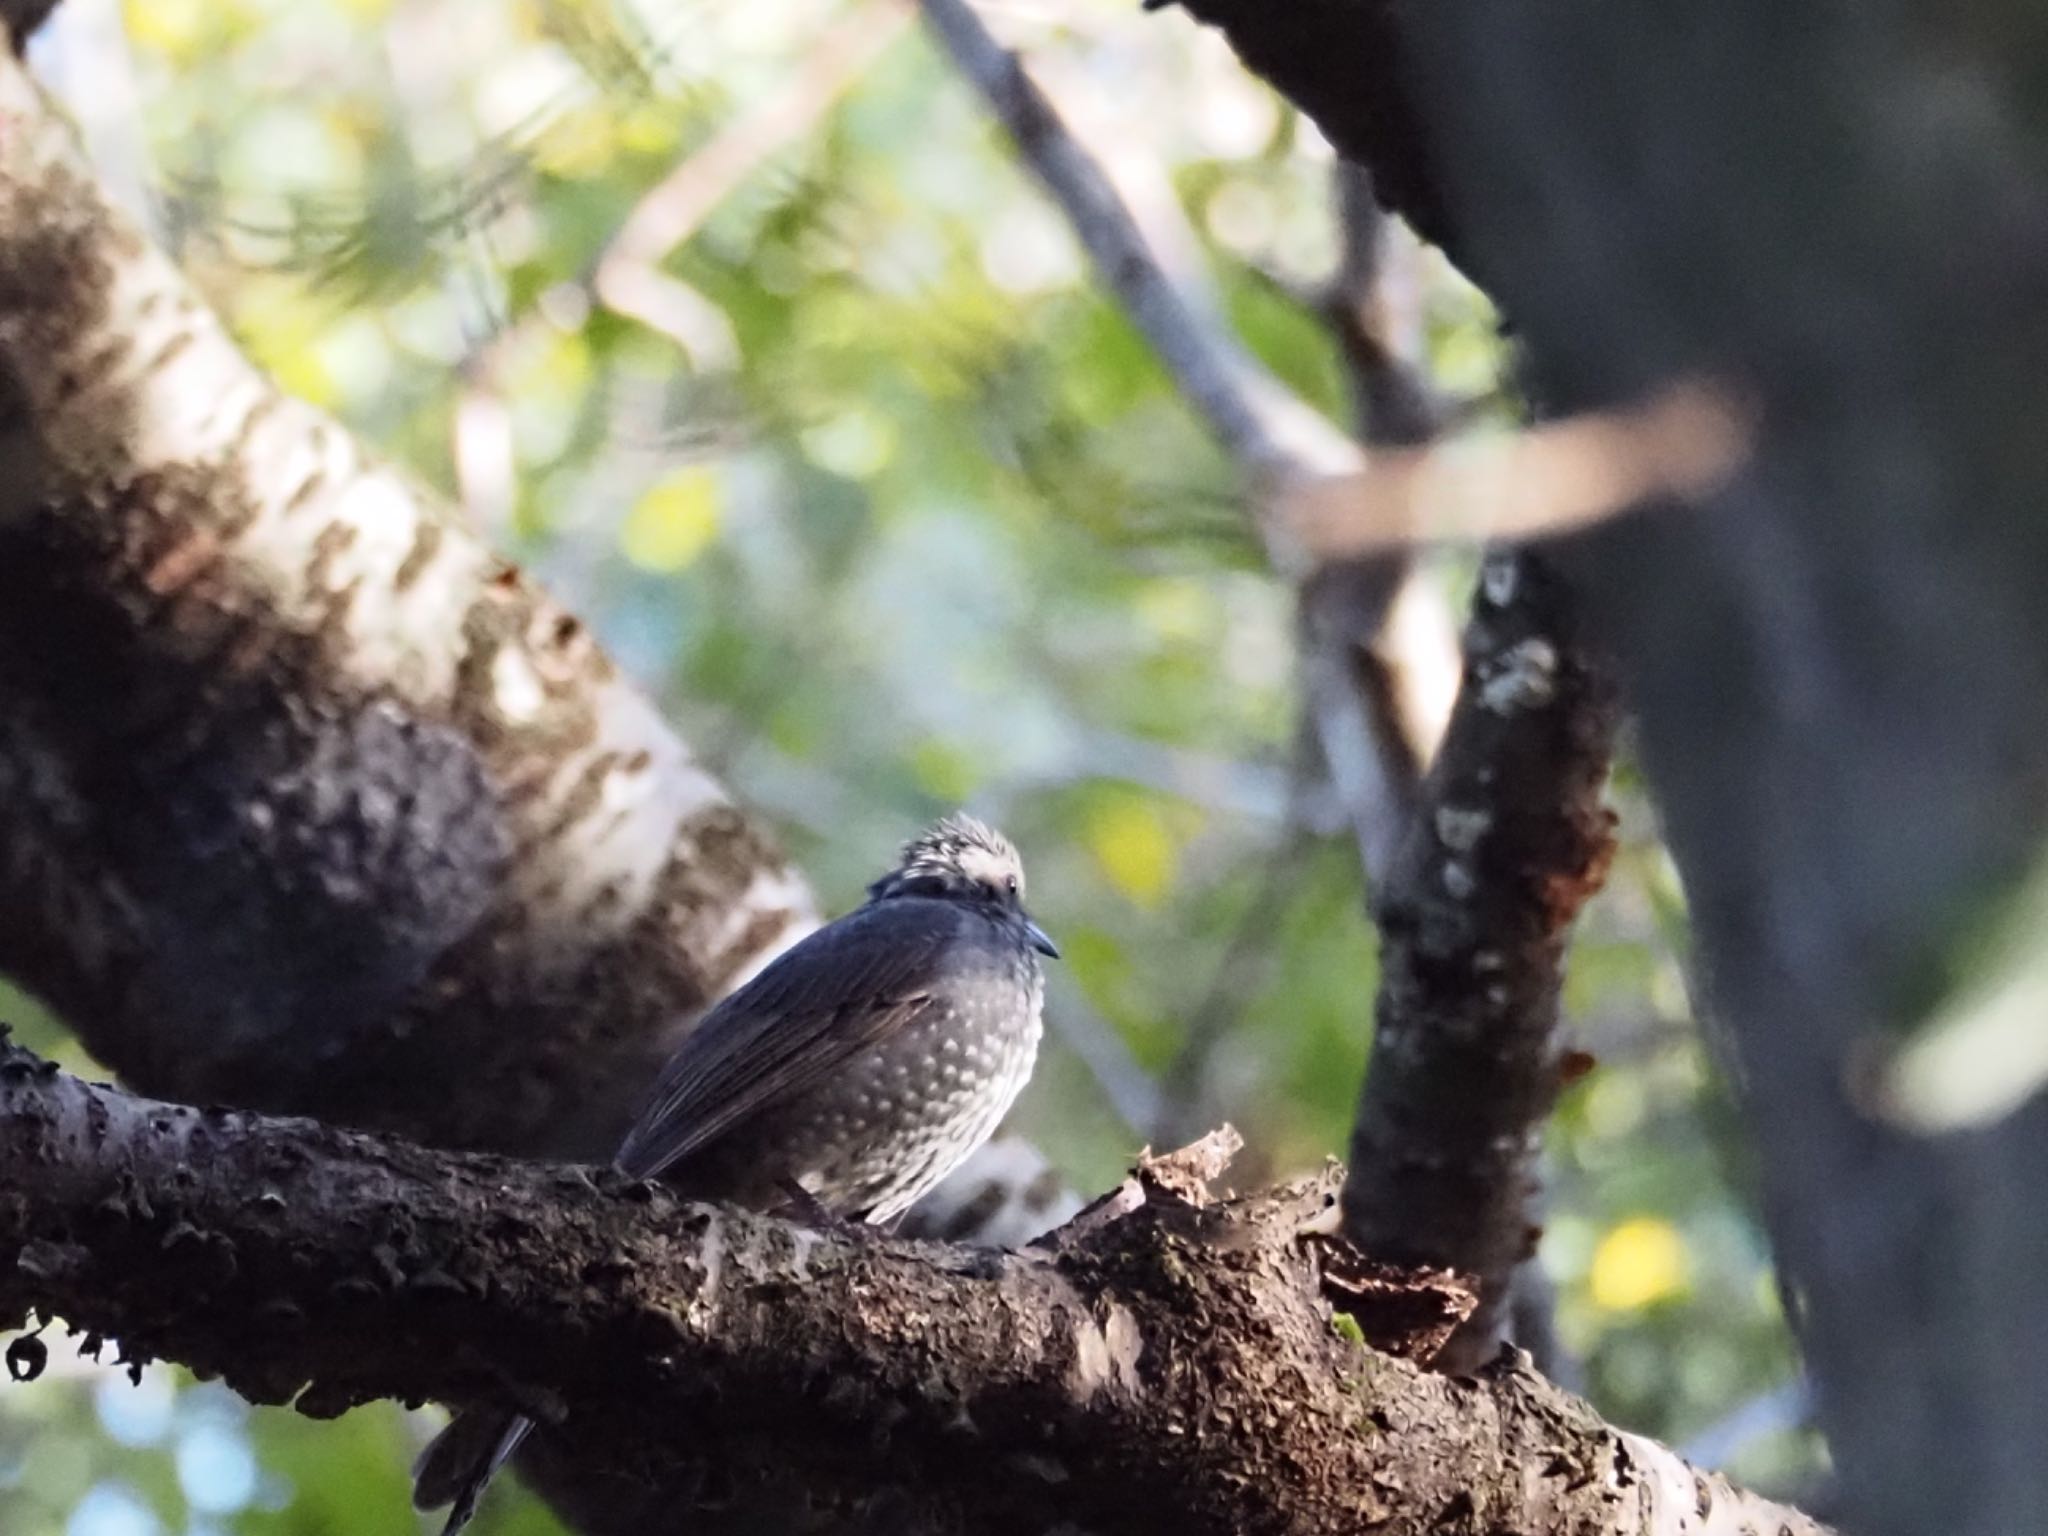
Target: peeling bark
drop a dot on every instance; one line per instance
(1175, 1368)
(1474, 917)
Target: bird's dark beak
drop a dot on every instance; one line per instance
(1039, 940)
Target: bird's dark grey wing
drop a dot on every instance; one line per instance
(843, 989)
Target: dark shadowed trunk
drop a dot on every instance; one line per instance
(1841, 661)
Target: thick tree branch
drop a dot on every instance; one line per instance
(1474, 917)
(1464, 1066)
(1174, 1368)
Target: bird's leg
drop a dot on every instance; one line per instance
(807, 1207)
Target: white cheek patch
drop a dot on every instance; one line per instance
(989, 868)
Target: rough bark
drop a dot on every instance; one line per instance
(1474, 918)
(1175, 1367)
(1840, 661)
(307, 801)
(1501, 844)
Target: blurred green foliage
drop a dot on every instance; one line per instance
(900, 515)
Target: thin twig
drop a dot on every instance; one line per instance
(1185, 1087)
(1374, 742)
(1262, 424)
(1380, 696)
(626, 276)
(1309, 477)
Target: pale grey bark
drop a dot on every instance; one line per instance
(307, 800)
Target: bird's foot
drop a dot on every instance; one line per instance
(807, 1207)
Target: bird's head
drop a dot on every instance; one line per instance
(961, 859)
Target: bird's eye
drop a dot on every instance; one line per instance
(1010, 884)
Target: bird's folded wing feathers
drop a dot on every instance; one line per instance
(842, 990)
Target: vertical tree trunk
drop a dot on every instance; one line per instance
(1840, 663)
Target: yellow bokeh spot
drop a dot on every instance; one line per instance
(1176, 609)
(674, 522)
(943, 770)
(1131, 842)
(173, 28)
(282, 331)
(1639, 1262)
(577, 143)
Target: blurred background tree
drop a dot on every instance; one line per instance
(741, 327)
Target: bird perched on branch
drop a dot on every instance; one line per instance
(854, 1073)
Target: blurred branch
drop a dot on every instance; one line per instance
(20, 18)
(1369, 302)
(1271, 432)
(626, 276)
(1474, 918)
(1281, 444)
(1318, 499)
(1186, 1092)
(1781, 1410)
(1169, 1364)
(1682, 443)
(1379, 697)
(1131, 1090)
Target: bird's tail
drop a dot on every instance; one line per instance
(459, 1462)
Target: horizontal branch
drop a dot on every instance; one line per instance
(1175, 1368)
